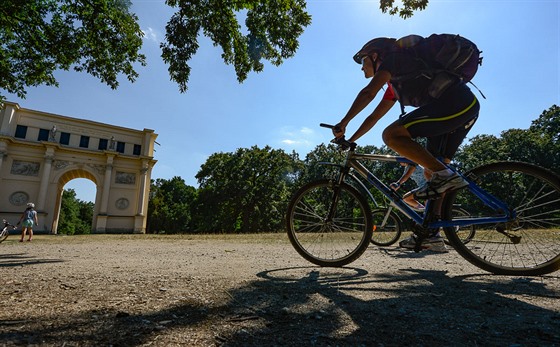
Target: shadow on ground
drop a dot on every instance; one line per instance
(311, 306)
(21, 259)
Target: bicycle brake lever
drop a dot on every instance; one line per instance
(341, 142)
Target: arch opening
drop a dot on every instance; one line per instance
(74, 215)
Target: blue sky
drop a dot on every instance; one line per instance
(282, 106)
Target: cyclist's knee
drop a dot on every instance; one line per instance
(392, 133)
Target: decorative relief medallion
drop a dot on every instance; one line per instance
(125, 178)
(122, 203)
(19, 198)
(25, 168)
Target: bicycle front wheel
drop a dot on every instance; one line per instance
(386, 227)
(324, 234)
(4, 234)
(529, 243)
(466, 233)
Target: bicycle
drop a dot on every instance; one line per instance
(388, 226)
(6, 230)
(513, 206)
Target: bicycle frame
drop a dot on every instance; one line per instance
(352, 161)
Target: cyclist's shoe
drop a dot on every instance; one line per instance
(434, 243)
(439, 185)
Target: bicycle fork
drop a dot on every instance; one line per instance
(336, 193)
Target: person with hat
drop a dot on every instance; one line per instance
(28, 217)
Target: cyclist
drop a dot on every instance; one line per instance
(444, 120)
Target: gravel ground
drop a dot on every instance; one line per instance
(255, 290)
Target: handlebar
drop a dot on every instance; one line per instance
(341, 141)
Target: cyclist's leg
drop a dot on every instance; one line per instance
(445, 123)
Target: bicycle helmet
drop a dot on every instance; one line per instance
(380, 45)
(30, 205)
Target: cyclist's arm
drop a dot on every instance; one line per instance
(381, 110)
(365, 96)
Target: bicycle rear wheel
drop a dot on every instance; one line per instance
(386, 227)
(529, 244)
(332, 242)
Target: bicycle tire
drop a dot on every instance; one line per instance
(465, 233)
(4, 234)
(386, 228)
(529, 245)
(329, 243)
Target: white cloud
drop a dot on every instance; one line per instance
(150, 35)
(299, 139)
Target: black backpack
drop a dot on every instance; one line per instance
(445, 58)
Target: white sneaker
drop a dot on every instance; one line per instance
(439, 185)
(434, 243)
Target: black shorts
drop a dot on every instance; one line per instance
(445, 122)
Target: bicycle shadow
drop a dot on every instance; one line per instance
(383, 309)
(403, 253)
(22, 259)
(348, 306)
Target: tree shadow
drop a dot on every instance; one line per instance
(23, 259)
(313, 306)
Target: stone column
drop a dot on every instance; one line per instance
(106, 185)
(101, 223)
(142, 189)
(140, 218)
(47, 166)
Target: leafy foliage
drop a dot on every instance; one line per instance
(272, 30)
(170, 206)
(245, 191)
(102, 38)
(75, 215)
(406, 10)
(38, 37)
(540, 144)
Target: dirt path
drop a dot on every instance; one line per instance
(140, 290)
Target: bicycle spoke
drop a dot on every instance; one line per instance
(527, 245)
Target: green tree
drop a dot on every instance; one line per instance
(38, 37)
(271, 32)
(540, 144)
(75, 215)
(546, 130)
(170, 206)
(103, 38)
(245, 191)
(548, 124)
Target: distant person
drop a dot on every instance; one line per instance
(415, 172)
(28, 217)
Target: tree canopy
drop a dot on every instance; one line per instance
(38, 37)
(103, 38)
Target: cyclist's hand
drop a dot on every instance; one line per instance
(395, 185)
(342, 143)
(339, 130)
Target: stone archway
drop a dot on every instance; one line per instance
(41, 152)
(62, 181)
